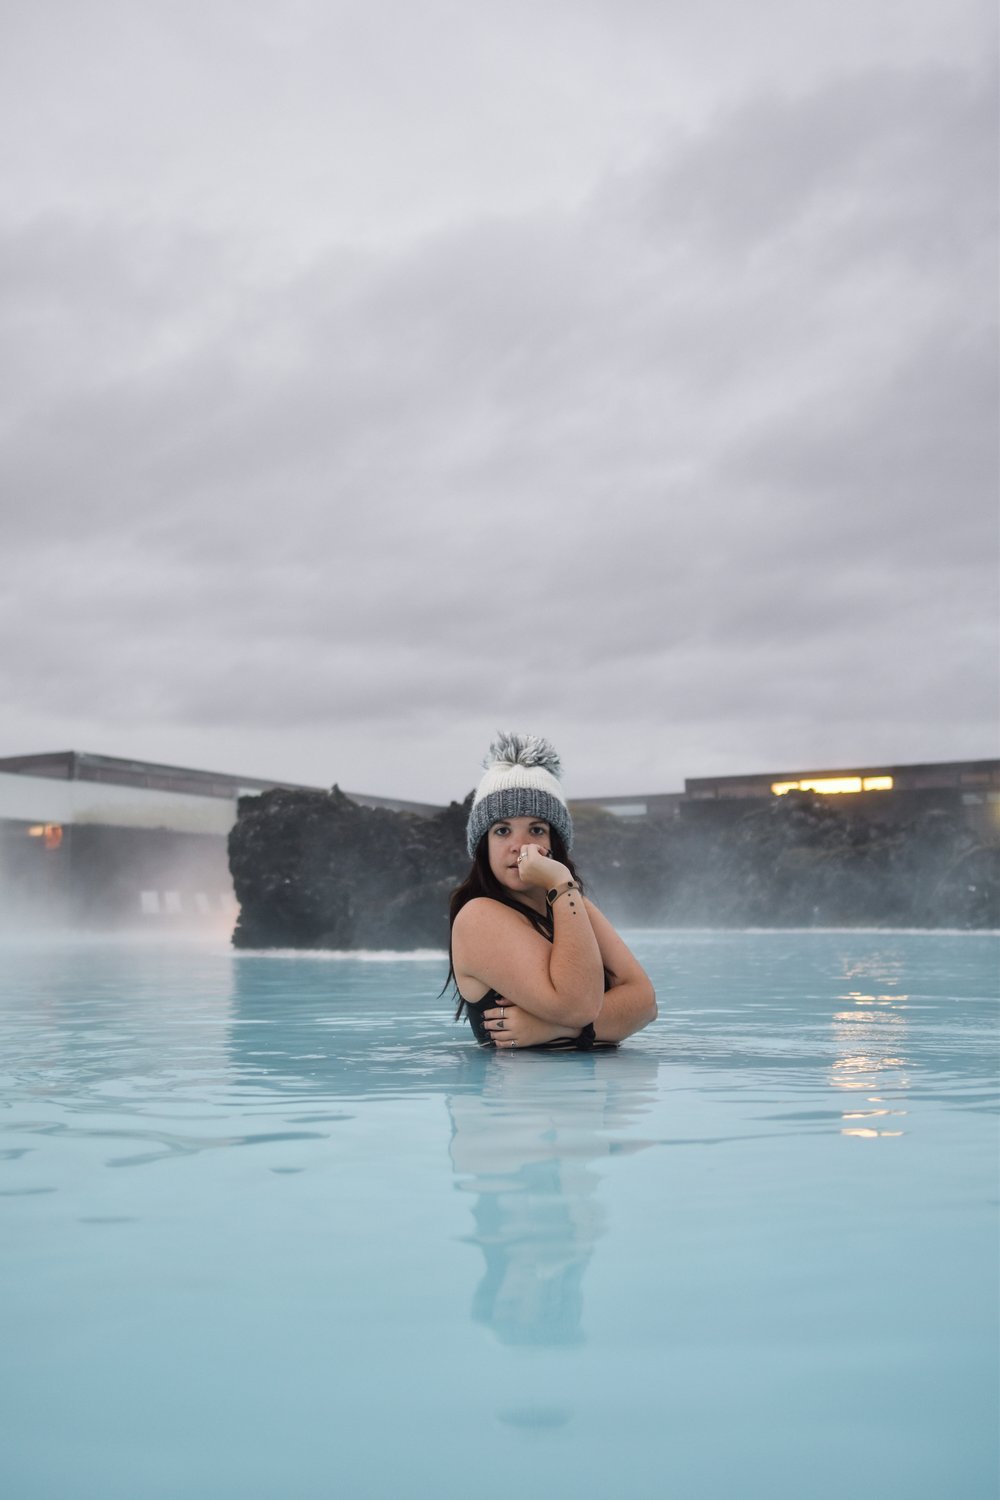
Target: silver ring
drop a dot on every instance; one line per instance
(501, 1012)
(512, 1046)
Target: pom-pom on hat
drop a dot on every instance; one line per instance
(521, 781)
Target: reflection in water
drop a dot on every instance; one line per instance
(870, 1038)
(527, 1130)
(525, 1145)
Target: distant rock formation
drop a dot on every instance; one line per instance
(316, 870)
(804, 860)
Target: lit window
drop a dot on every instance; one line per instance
(51, 832)
(833, 786)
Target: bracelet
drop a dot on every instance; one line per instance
(553, 895)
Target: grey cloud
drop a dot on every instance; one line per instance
(866, 163)
(714, 448)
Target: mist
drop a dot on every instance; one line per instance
(116, 882)
(315, 870)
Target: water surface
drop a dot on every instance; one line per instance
(273, 1227)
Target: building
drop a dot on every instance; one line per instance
(968, 789)
(103, 841)
(660, 805)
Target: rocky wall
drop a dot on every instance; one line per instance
(316, 870)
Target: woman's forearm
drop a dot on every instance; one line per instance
(575, 968)
(626, 1008)
(622, 1010)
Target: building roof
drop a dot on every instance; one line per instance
(923, 776)
(113, 770)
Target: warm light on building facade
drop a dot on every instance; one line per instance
(832, 786)
(51, 832)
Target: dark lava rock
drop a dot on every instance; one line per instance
(317, 870)
(805, 860)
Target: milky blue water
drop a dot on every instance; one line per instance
(273, 1227)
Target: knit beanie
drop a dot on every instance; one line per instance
(521, 781)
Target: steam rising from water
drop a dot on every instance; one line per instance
(354, 955)
(129, 883)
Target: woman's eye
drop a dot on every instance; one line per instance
(501, 830)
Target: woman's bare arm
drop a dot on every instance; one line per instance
(630, 1003)
(560, 982)
(500, 949)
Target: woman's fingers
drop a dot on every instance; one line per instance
(537, 867)
(502, 1023)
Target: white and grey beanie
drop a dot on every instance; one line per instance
(521, 781)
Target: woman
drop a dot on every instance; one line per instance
(534, 962)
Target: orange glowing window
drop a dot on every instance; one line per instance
(833, 786)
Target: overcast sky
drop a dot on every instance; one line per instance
(378, 375)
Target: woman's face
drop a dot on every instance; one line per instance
(504, 842)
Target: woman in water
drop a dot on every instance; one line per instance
(534, 962)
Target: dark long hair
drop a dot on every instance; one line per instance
(481, 881)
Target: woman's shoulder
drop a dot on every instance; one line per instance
(483, 920)
(490, 942)
(483, 910)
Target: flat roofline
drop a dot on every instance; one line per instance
(116, 770)
(72, 765)
(878, 768)
(76, 760)
(624, 797)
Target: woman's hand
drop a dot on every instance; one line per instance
(537, 867)
(510, 1026)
